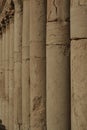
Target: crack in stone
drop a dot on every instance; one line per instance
(77, 38)
(58, 44)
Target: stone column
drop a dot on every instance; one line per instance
(37, 65)
(57, 54)
(3, 72)
(78, 64)
(18, 65)
(7, 76)
(11, 75)
(0, 73)
(25, 67)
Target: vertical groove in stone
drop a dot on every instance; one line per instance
(57, 54)
(37, 65)
(18, 65)
(78, 64)
(7, 76)
(11, 75)
(25, 67)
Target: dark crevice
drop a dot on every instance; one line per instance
(58, 44)
(78, 38)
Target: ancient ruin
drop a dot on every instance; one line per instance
(43, 64)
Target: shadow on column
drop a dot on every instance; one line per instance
(2, 127)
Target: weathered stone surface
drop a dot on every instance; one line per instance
(7, 76)
(37, 65)
(3, 76)
(11, 75)
(78, 64)
(26, 66)
(18, 65)
(57, 33)
(57, 87)
(57, 65)
(78, 84)
(2, 2)
(58, 10)
(0, 76)
(78, 22)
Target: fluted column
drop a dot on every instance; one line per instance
(25, 67)
(78, 64)
(0, 73)
(11, 74)
(3, 72)
(7, 75)
(37, 65)
(57, 54)
(18, 65)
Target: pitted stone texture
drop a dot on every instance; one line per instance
(37, 65)
(83, 2)
(57, 33)
(57, 10)
(78, 12)
(26, 67)
(18, 65)
(79, 84)
(57, 88)
(11, 77)
(78, 22)
(57, 64)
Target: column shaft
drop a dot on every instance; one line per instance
(7, 77)
(25, 67)
(3, 74)
(11, 75)
(18, 65)
(78, 64)
(37, 65)
(0, 75)
(57, 54)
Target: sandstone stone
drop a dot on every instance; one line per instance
(11, 75)
(78, 84)
(78, 22)
(37, 65)
(57, 65)
(18, 65)
(26, 66)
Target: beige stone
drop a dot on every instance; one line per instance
(26, 67)
(57, 88)
(78, 65)
(0, 76)
(3, 76)
(18, 65)
(57, 61)
(78, 22)
(78, 84)
(7, 77)
(3, 110)
(11, 75)
(37, 65)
